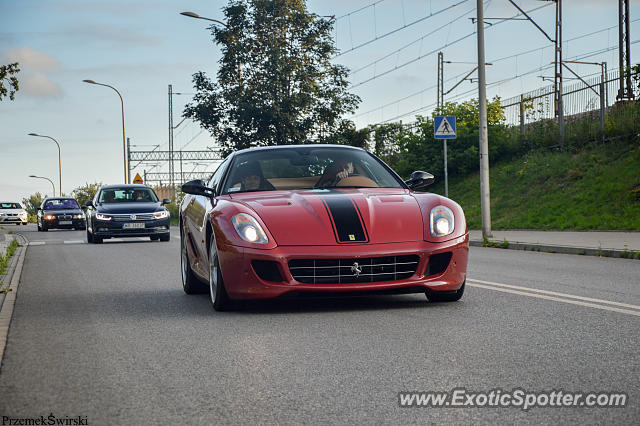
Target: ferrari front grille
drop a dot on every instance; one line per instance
(360, 270)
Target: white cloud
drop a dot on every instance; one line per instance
(37, 84)
(31, 58)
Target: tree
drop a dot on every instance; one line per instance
(7, 77)
(84, 193)
(276, 84)
(32, 203)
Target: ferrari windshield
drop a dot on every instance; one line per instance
(307, 168)
(127, 195)
(61, 204)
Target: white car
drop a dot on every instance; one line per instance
(11, 212)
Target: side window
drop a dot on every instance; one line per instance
(217, 176)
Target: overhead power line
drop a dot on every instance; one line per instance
(400, 28)
(397, 67)
(504, 58)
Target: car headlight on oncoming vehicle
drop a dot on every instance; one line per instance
(249, 229)
(441, 221)
(161, 214)
(101, 216)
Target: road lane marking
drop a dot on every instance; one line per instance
(74, 242)
(37, 243)
(558, 299)
(554, 293)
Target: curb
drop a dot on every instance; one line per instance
(549, 248)
(6, 312)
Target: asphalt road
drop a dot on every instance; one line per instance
(106, 332)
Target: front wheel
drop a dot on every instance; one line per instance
(449, 296)
(165, 238)
(217, 291)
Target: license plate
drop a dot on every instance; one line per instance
(64, 222)
(133, 226)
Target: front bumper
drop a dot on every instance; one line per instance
(55, 223)
(108, 229)
(12, 219)
(242, 281)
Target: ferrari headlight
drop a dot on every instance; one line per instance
(441, 221)
(161, 214)
(101, 216)
(249, 229)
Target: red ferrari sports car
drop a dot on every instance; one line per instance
(318, 219)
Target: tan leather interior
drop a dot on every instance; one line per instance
(357, 181)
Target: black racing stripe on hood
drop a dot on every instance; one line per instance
(346, 219)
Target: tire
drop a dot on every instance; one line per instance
(96, 239)
(190, 283)
(165, 238)
(448, 296)
(217, 291)
(44, 228)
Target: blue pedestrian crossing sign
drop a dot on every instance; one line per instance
(444, 127)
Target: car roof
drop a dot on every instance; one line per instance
(126, 186)
(11, 202)
(307, 146)
(59, 198)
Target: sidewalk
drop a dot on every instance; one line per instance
(594, 243)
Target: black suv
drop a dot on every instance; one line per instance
(127, 211)
(61, 213)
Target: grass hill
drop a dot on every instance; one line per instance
(597, 188)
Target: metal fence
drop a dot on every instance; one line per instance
(588, 113)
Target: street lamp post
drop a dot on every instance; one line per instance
(59, 159)
(124, 140)
(195, 15)
(52, 185)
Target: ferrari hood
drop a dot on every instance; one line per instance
(344, 216)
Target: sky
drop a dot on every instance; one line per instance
(140, 47)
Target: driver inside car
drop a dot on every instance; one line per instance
(252, 179)
(334, 173)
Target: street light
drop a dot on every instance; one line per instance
(195, 15)
(59, 158)
(52, 185)
(124, 139)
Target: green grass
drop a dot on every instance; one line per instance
(4, 258)
(597, 188)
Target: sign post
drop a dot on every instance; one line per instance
(444, 127)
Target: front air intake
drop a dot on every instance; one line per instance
(267, 270)
(438, 263)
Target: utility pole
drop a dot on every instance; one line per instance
(171, 182)
(557, 80)
(625, 92)
(440, 100)
(129, 160)
(483, 134)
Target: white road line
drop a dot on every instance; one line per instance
(553, 293)
(557, 299)
(74, 242)
(37, 243)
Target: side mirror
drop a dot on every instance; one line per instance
(89, 203)
(166, 201)
(198, 187)
(419, 180)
